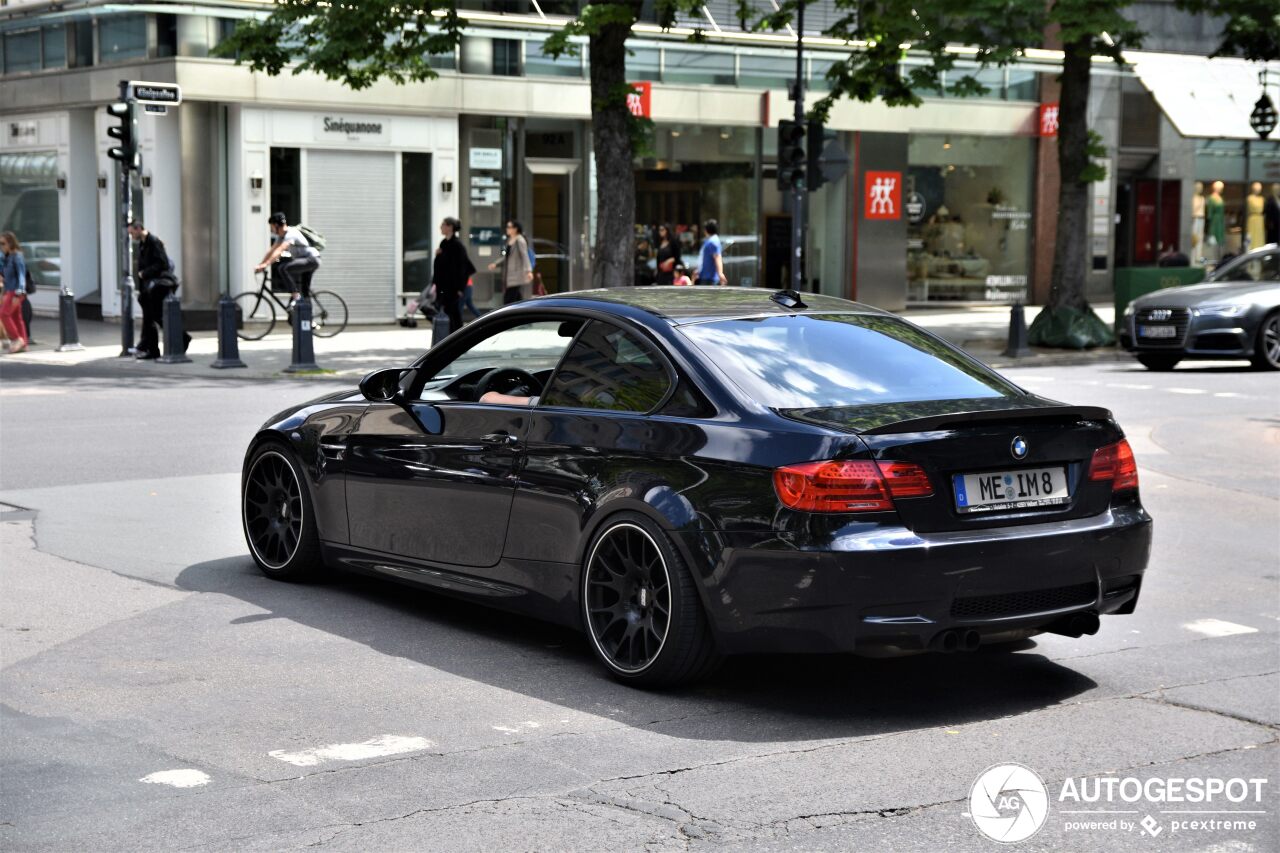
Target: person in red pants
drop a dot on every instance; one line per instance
(13, 270)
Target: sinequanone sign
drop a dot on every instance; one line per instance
(351, 127)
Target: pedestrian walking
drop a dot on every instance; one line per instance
(13, 271)
(156, 283)
(710, 260)
(468, 299)
(303, 261)
(668, 256)
(517, 272)
(682, 276)
(451, 272)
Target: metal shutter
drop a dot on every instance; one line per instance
(351, 201)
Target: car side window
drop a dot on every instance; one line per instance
(609, 368)
(534, 348)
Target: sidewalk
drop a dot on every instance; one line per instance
(347, 357)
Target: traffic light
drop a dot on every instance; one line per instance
(127, 132)
(791, 157)
(815, 144)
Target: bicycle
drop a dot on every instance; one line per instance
(257, 312)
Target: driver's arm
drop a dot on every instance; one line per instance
(507, 399)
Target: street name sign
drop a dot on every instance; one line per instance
(161, 94)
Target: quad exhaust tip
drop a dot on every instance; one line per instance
(956, 641)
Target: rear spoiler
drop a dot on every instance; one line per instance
(934, 422)
(941, 414)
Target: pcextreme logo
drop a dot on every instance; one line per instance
(1010, 802)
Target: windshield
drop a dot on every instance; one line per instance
(831, 360)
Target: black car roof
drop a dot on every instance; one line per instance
(691, 304)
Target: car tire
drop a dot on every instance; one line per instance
(278, 516)
(1266, 348)
(1160, 362)
(631, 575)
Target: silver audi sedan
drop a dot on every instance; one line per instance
(1234, 315)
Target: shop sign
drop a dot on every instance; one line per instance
(915, 208)
(884, 195)
(482, 236)
(1049, 119)
(1006, 288)
(485, 158)
(21, 132)
(359, 129)
(638, 100)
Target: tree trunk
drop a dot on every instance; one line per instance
(1070, 254)
(613, 262)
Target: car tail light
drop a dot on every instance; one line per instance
(1115, 463)
(849, 485)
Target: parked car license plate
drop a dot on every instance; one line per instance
(1026, 487)
(1157, 331)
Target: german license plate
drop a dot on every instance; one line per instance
(1157, 332)
(1020, 489)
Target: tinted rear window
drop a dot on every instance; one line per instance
(824, 360)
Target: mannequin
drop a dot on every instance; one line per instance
(1215, 221)
(1271, 215)
(1197, 224)
(1254, 231)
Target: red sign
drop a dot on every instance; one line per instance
(1049, 119)
(884, 195)
(638, 99)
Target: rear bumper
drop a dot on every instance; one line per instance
(878, 589)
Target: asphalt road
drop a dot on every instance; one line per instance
(137, 639)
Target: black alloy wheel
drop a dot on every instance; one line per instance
(1266, 351)
(641, 608)
(279, 524)
(1159, 361)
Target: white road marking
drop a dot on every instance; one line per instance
(377, 747)
(177, 778)
(1186, 391)
(1218, 628)
(519, 727)
(1129, 385)
(1227, 394)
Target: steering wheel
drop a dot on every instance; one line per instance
(508, 380)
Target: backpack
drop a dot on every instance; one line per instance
(315, 238)
(31, 282)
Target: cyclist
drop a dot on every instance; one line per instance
(303, 259)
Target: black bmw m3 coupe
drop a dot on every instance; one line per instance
(685, 473)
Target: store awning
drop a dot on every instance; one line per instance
(1205, 98)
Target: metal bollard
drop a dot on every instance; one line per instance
(126, 321)
(175, 339)
(1017, 347)
(67, 329)
(228, 344)
(304, 353)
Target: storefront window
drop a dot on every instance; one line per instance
(968, 207)
(1024, 85)
(538, 64)
(29, 208)
(698, 66)
(699, 173)
(644, 63)
(122, 37)
(22, 51)
(763, 71)
(55, 46)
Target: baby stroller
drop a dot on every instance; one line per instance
(426, 307)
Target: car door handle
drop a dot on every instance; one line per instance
(501, 439)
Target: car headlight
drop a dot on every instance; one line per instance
(1222, 310)
(1128, 311)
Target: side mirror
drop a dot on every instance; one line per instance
(382, 386)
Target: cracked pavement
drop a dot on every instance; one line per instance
(137, 637)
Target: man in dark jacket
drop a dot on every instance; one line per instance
(155, 283)
(450, 272)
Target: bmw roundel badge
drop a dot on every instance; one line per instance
(1019, 448)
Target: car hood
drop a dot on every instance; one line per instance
(1219, 292)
